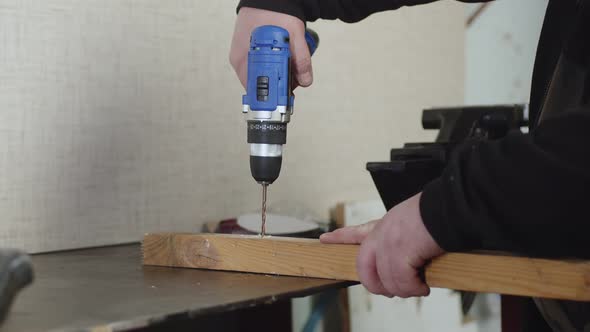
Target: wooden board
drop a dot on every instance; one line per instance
(504, 274)
(494, 273)
(251, 253)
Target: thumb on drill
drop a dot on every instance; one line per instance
(301, 59)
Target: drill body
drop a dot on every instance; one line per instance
(268, 102)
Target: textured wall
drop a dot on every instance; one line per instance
(500, 49)
(121, 117)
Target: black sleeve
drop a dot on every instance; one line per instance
(527, 193)
(344, 10)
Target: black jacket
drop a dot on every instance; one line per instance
(524, 193)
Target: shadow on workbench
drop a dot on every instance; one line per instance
(269, 317)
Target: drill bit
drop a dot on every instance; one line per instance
(263, 230)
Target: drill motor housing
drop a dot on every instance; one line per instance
(268, 102)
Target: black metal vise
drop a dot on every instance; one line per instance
(416, 164)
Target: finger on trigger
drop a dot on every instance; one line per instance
(301, 60)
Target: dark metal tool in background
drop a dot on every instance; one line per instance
(416, 164)
(16, 272)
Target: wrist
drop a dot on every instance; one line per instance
(289, 7)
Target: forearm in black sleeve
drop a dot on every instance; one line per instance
(344, 10)
(527, 193)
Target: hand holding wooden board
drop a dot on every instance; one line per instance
(491, 273)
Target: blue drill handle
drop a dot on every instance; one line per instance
(268, 87)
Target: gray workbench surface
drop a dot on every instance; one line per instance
(108, 287)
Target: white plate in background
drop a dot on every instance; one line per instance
(275, 224)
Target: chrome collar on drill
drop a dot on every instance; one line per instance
(266, 150)
(281, 114)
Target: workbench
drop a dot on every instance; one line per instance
(107, 288)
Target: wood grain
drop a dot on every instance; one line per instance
(247, 253)
(481, 272)
(495, 273)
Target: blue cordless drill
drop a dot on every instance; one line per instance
(268, 102)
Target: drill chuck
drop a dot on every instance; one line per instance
(266, 141)
(265, 170)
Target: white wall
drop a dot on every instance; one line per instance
(119, 117)
(500, 48)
